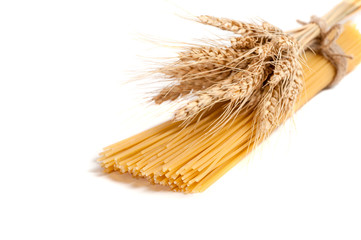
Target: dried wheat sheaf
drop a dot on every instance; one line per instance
(259, 62)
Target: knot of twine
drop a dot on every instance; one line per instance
(326, 45)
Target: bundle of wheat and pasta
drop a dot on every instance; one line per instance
(234, 95)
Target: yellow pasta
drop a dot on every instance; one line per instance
(190, 159)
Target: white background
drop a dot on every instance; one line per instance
(62, 98)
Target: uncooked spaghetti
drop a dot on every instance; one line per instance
(190, 158)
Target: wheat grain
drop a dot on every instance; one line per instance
(245, 29)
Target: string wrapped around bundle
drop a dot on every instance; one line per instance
(235, 95)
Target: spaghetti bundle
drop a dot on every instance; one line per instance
(235, 100)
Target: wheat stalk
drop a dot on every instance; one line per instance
(260, 59)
